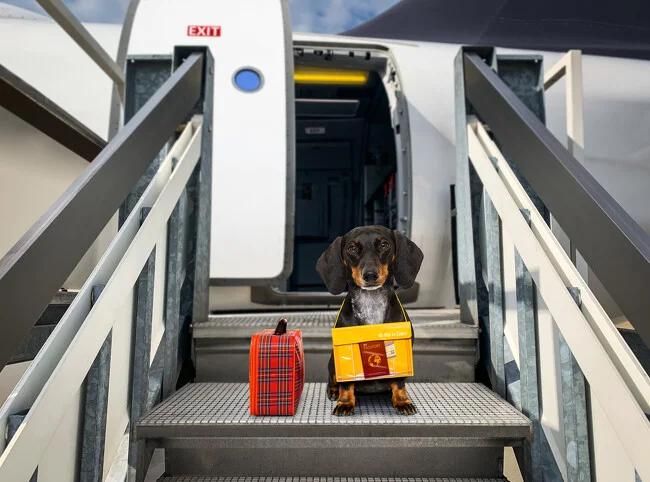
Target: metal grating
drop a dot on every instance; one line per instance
(200, 478)
(439, 404)
(257, 321)
(317, 319)
(428, 323)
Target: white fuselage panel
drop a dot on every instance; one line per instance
(249, 155)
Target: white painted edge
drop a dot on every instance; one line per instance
(22, 454)
(570, 66)
(606, 383)
(575, 104)
(120, 464)
(556, 71)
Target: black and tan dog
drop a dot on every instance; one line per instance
(367, 262)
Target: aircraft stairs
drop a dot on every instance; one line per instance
(112, 372)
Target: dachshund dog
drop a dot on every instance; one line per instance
(367, 262)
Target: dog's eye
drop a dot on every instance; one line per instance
(353, 249)
(384, 245)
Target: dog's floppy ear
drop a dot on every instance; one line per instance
(331, 269)
(408, 258)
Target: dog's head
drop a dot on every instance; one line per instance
(369, 256)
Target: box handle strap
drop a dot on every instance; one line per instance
(338, 315)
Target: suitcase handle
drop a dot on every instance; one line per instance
(281, 329)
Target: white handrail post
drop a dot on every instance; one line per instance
(574, 104)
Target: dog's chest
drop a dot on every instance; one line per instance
(369, 307)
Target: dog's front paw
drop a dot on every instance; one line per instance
(343, 409)
(405, 408)
(333, 392)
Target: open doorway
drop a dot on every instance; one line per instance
(346, 155)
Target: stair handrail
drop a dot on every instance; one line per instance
(49, 390)
(590, 216)
(618, 351)
(615, 377)
(552, 350)
(40, 262)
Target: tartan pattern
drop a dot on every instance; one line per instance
(276, 372)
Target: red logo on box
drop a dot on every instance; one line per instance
(204, 30)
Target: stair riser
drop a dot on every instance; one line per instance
(435, 361)
(338, 462)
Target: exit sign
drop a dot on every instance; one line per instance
(204, 30)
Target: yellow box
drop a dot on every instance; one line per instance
(372, 352)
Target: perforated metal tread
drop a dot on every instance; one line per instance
(444, 410)
(200, 478)
(428, 323)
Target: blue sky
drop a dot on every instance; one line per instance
(324, 16)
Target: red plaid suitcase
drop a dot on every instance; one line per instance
(276, 371)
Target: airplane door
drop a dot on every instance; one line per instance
(253, 171)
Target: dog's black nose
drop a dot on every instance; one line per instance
(370, 276)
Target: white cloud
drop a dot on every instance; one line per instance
(111, 11)
(98, 10)
(334, 16)
(324, 16)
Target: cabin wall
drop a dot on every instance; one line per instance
(428, 87)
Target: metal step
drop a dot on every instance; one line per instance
(199, 478)
(429, 323)
(459, 431)
(444, 349)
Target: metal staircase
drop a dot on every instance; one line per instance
(111, 379)
(445, 349)
(460, 430)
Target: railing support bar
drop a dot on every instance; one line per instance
(467, 286)
(73, 27)
(494, 275)
(95, 409)
(140, 386)
(203, 196)
(27, 103)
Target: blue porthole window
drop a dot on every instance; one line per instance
(248, 80)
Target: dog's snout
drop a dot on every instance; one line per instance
(370, 276)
